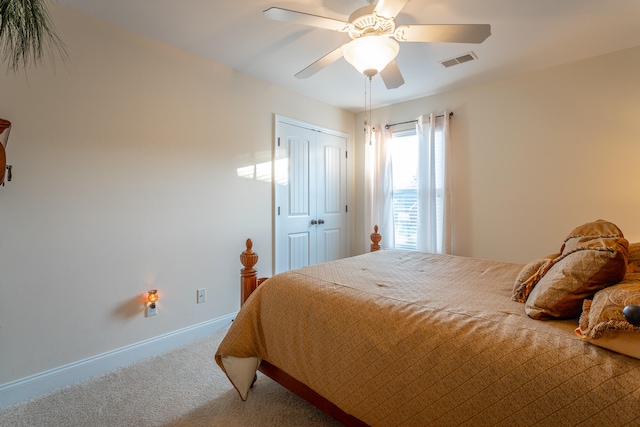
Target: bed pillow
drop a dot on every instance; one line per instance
(586, 265)
(591, 230)
(633, 264)
(530, 275)
(602, 322)
(588, 231)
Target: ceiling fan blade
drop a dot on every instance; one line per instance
(278, 14)
(389, 8)
(326, 60)
(392, 76)
(445, 33)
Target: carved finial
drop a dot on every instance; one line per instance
(248, 258)
(248, 274)
(375, 238)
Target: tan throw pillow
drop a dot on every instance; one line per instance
(590, 230)
(530, 275)
(602, 322)
(599, 228)
(633, 264)
(586, 265)
(604, 312)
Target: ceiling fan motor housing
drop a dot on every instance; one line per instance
(365, 21)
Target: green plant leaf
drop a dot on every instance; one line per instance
(26, 33)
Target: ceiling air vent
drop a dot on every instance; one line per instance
(459, 60)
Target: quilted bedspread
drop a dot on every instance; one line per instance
(408, 338)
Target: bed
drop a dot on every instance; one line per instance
(397, 337)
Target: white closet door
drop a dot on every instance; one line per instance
(310, 196)
(295, 202)
(331, 198)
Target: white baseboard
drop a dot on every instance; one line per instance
(44, 382)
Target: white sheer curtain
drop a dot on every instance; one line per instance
(434, 184)
(378, 202)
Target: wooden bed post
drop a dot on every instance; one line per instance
(375, 238)
(249, 280)
(248, 275)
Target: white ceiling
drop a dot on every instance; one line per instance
(526, 35)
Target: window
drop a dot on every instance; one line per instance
(404, 158)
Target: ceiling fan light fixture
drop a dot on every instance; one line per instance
(371, 54)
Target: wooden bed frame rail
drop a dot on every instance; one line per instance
(249, 281)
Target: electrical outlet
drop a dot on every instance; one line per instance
(151, 310)
(202, 295)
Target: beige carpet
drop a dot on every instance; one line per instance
(182, 387)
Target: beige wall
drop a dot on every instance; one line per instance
(125, 180)
(536, 155)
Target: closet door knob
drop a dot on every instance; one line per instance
(314, 222)
(321, 221)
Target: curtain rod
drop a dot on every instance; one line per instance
(413, 121)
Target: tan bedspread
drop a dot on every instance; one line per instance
(407, 338)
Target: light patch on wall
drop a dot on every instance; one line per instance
(262, 171)
(248, 172)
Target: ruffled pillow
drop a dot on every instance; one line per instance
(591, 230)
(585, 267)
(530, 275)
(602, 322)
(593, 256)
(633, 264)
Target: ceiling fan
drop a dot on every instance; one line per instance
(375, 37)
